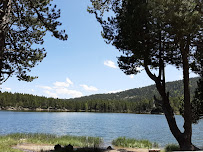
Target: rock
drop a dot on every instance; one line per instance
(57, 147)
(69, 148)
(109, 148)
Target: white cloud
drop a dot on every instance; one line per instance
(89, 88)
(115, 91)
(8, 89)
(51, 94)
(61, 84)
(110, 64)
(65, 91)
(60, 90)
(45, 87)
(32, 90)
(69, 81)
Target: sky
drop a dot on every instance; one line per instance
(82, 65)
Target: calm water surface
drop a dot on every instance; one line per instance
(106, 125)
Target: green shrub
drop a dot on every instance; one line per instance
(172, 147)
(6, 144)
(37, 138)
(131, 143)
(155, 145)
(7, 141)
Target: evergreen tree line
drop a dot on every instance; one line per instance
(18, 101)
(138, 100)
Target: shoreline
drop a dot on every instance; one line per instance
(21, 109)
(48, 142)
(41, 147)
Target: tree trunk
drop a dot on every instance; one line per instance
(2, 36)
(187, 115)
(4, 23)
(184, 139)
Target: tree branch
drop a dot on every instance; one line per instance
(152, 76)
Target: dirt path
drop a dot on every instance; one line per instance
(33, 147)
(37, 148)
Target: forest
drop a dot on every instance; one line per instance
(138, 100)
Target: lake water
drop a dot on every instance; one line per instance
(106, 125)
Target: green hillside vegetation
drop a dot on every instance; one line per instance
(139, 100)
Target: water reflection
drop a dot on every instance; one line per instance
(106, 125)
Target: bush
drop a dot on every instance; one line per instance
(7, 141)
(131, 143)
(172, 147)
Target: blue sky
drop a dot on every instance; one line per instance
(82, 65)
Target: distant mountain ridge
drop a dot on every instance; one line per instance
(175, 88)
(138, 100)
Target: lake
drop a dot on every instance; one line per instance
(106, 125)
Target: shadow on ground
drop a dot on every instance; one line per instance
(70, 148)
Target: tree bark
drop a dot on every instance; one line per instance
(186, 143)
(184, 139)
(4, 22)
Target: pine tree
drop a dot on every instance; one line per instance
(153, 34)
(23, 24)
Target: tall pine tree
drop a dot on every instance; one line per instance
(153, 34)
(23, 24)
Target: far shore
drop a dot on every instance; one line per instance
(50, 109)
(21, 109)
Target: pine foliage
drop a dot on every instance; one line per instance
(23, 25)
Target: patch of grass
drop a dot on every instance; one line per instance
(155, 145)
(131, 143)
(79, 141)
(80, 150)
(8, 141)
(171, 147)
(6, 144)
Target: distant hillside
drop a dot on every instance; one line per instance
(139, 100)
(175, 89)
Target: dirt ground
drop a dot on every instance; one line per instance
(33, 147)
(38, 148)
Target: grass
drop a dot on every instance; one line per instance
(8, 141)
(133, 143)
(172, 147)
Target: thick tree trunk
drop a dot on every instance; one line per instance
(2, 37)
(2, 45)
(184, 139)
(4, 23)
(186, 144)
